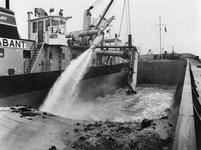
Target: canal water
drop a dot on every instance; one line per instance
(151, 101)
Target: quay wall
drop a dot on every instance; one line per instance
(165, 72)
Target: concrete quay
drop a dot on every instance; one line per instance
(188, 134)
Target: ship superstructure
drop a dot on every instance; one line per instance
(29, 67)
(49, 51)
(45, 50)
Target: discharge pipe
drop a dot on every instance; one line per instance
(126, 54)
(83, 33)
(97, 40)
(132, 76)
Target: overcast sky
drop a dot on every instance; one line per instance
(181, 18)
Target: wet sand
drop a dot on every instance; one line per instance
(26, 128)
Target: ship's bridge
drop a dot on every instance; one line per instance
(48, 29)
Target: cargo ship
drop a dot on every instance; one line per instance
(30, 67)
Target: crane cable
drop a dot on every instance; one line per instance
(126, 9)
(96, 3)
(122, 17)
(126, 19)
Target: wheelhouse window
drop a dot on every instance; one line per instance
(47, 24)
(62, 27)
(35, 25)
(55, 26)
(2, 53)
(55, 22)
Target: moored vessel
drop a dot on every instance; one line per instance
(29, 67)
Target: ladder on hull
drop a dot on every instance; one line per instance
(34, 57)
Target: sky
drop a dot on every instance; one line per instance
(182, 19)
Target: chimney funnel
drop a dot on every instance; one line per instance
(7, 4)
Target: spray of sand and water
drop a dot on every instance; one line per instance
(64, 91)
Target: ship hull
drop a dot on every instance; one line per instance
(26, 89)
(33, 99)
(32, 89)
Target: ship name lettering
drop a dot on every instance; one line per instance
(12, 43)
(3, 18)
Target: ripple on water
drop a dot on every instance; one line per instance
(151, 102)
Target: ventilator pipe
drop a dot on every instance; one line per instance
(129, 40)
(29, 24)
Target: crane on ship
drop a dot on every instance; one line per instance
(95, 33)
(130, 54)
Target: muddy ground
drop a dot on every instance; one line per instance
(62, 133)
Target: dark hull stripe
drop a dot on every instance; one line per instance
(18, 84)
